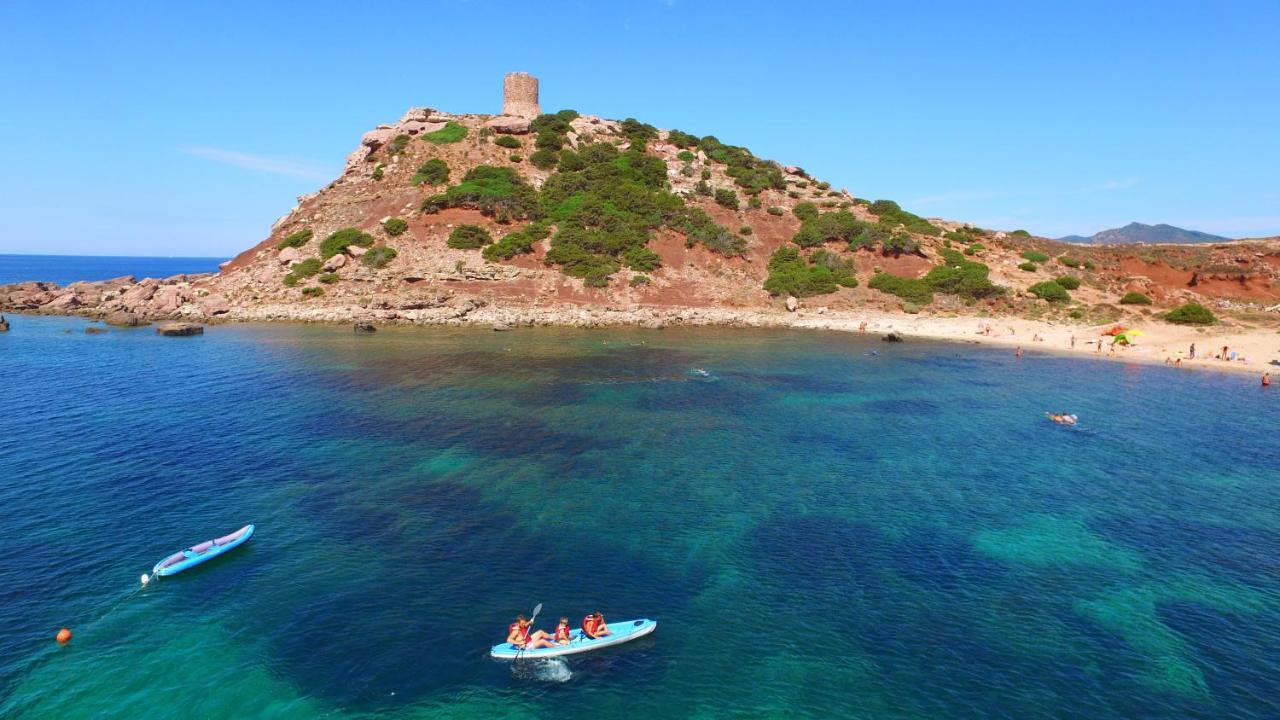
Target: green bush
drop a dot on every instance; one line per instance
(378, 257)
(1088, 265)
(727, 198)
(398, 144)
(295, 239)
(495, 191)
(892, 215)
(302, 270)
(789, 274)
(775, 211)
(1050, 290)
(328, 278)
(515, 157)
(468, 237)
(962, 277)
(378, 171)
(912, 291)
(698, 227)
(1020, 233)
(516, 243)
(507, 141)
(1070, 282)
(452, 132)
(637, 280)
(1027, 267)
(1069, 261)
(638, 133)
(682, 139)
(1135, 298)
(748, 171)
(312, 291)
(899, 243)
(745, 230)
(1035, 256)
(570, 161)
(641, 259)
(546, 158)
(754, 202)
(431, 172)
(395, 226)
(686, 156)
(1191, 314)
(342, 239)
(805, 211)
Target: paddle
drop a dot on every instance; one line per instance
(536, 609)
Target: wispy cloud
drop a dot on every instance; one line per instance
(1109, 185)
(259, 163)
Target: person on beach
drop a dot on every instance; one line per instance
(1266, 379)
(1073, 341)
(1018, 353)
(1224, 353)
(562, 636)
(1191, 355)
(593, 626)
(1177, 363)
(518, 635)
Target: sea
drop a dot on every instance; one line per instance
(66, 269)
(823, 525)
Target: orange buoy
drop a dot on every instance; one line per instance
(64, 635)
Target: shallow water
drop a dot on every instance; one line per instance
(819, 532)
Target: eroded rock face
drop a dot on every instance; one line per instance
(509, 125)
(214, 305)
(180, 329)
(377, 138)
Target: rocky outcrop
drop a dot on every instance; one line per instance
(335, 262)
(121, 318)
(509, 125)
(180, 329)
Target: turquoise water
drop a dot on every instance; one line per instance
(66, 269)
(820, 532)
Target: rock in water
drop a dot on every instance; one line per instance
(124, 319)
(94, 330)
(364, 327)
(180, 329)
(892, 337)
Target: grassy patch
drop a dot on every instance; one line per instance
(468, 237)
(432, 172)
(342, 239)
(378, 257)
(395, 226)
(452, 132)
(295, 239)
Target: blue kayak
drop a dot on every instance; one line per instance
(624, 631)
(204, 552)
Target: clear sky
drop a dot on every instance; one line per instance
(187, 128)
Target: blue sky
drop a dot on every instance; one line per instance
(167, 128)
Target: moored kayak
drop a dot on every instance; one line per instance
(623, 631)
(204, 552)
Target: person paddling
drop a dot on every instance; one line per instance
(518, 634)
(593, 625)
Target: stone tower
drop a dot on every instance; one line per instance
(520, 95)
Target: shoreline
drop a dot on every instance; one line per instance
(1160, 340)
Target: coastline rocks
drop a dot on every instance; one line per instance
(169, 298)
(180, 329)
(792, 303)
(121, 318)
(65, 301)
(214, 305)
(365, 327)
(334, 262)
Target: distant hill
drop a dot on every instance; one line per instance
(1139, 233)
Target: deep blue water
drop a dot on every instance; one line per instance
(819, 532)
(65, 269)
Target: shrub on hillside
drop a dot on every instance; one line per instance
(398, 144)
(516, 158)
(1020, 233)
(378, 171)
(817, 229)
(468, 237)
(892, 215)
(1035, 256)
(805, 211)
(776, 211)
(515, 243)
(395, 226)
(1027, 267)
(1050, 290)
(452, 132)
(342, 239)
(913, 291)
(302, 270)
(686, 156)
(1070, 282)
(789, 274)
(545, 159)
(1191, 314)
(745, 230)
(495, 191)
(699, 228)
(641, 259)
(570, 161)
(295, 239)
(727, 198)
(312, 291)
(1135, 298)
(959, 276)
(328, 278)
(378, 257)
(507, 141)
(1069, 261)
(431, 172)
(682, 139)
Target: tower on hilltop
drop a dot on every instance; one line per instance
(520, 95)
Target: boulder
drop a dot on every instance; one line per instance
(94, 330)
(415, 128)
(169, 298)
(124, 319)
(288, 256)
(139, 294)
(416, 114)
(377, 138)
(65, 301)
(214, 305)
(365, 327)
(335, 262)
(501, 327)
(792, 303)
(508, 125)
(356, 250)
(180, 329)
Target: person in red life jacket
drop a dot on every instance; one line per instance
(518, 634)
(594, 626)
(1266, 379)
(562, 635)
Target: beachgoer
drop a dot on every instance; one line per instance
(1177, 363)
(1192, 354)
(862, 326)
(1224, 353)
(593, 625)
(562, 636)
(1073, 341)
(1266, 379)
(1018, 353)
(518, 635)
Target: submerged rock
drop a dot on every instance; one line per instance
(180, 329)
(94, 330)
(892, 337)
(365, 327)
